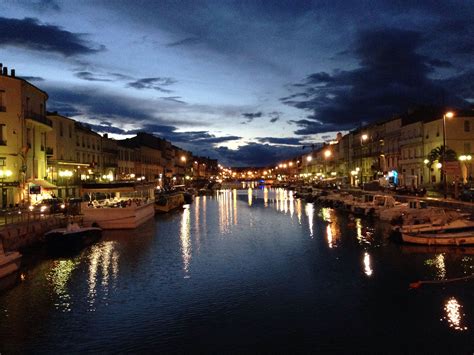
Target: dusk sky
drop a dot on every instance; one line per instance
(247, 82)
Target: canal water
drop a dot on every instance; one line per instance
(239, 272)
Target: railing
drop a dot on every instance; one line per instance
(39, 118)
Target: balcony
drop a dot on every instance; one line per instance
(38, 118)
(3, 109)
(49, 151)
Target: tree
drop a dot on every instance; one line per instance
(436, 154)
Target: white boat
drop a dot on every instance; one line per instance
(9, 262)
(454, 234)
(166, 202)
(128, 205)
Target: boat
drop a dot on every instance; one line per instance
(120, 205)
(9, 262)
(72, 237)
(453, 236)
(168, 201)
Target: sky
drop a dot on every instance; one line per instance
(246, 82)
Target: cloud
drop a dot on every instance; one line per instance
(173, 99)
(392, 77)
(30, 33)
(274, 116)
(32, 78)
(281, 141)
(152, 83)
(255, 154)
(251, 116)
(86, 75)
(185, 42)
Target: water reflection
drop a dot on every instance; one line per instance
(185, 237)
(439, 263)
(309, 209)
(58, 277)
(102, 258)
(454, 315)
(367, 265)
(250, 195)
(333, 231)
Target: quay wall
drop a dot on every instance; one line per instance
(17, 236)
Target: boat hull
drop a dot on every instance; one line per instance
(439, 239)
(9, 263)
(168, 203)
(118, 218)
(59, 240)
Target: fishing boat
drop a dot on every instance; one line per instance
(168, 201)
(72, 237)
(9, 262)
(118, 205)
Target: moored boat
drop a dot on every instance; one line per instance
(73, 237)
(9, 262)
(460, 236)
(166, 202)
(122, 205)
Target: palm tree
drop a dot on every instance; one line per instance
(437, 154)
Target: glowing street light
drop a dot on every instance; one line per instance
(309, 158)
(327, 153)
(365, 137)
(183, 158)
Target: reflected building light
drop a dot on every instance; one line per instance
(291, 202)
(265, 197)
(454, 315)
(234, 198)
(326, 214)
(309, 209)
(329, 235)
(440, 266)
(185, 238)
(249, 193)
(298, 210)
(367, 267)
(359, 229)
(58, 277)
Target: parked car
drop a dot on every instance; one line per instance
(49, 205)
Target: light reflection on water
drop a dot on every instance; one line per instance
(454, 314)
(243, 249)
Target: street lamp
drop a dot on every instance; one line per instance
(448, 114)
(66, 174)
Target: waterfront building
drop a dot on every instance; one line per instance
(23, 129)
(88, 152)
(126, 163)
(63, 168)
(110, 156)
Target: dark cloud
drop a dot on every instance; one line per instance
(251, 116)
(280, 141)
(86, 75)
(255, 154)
(152, 83)
(392, 77)
(31, 34)
(185, 42)
(274, 116)
(173, 99)
(32, 78)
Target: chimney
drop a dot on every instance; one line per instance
(1, 67)
(5, 71)
(12, 73)
(106, 135)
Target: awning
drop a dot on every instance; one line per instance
(43, 183)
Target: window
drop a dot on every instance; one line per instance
(78, 141)
(70, 131)
(41, 109)
(3, 161)
(28, 137)
(467, 126)
(3, 134)
(2, 101)
(43, 141)
(78, 157)
(61, 128)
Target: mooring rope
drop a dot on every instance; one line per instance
(418, 284)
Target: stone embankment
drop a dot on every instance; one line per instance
(25, 234)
